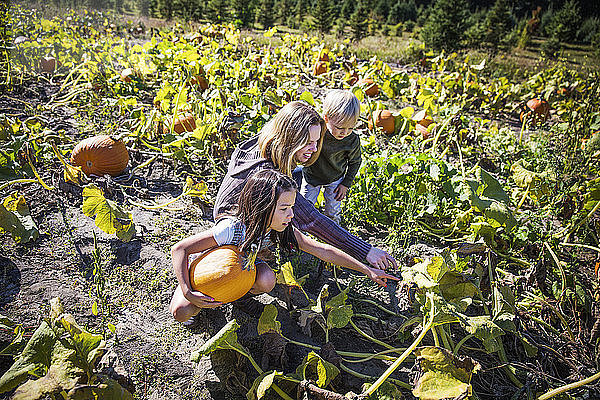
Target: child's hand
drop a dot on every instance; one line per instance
(201, 300)
(380, 277)
(340, 192)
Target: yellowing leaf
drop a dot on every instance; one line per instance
(445, 376)
(109, 216)
(268, 320)
(16, 220)
(196, 189)
(315, 368)
(286, 276)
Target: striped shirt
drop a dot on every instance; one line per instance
(246, 160)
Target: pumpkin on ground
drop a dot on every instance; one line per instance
(100, 155)
(182, 124)
(383, 119)
(422, 126)
(371, 89)
(218, 273)
(351, 78)
(536, 111)
(319, 68)
(48, 64)
(199, 80)
(127, 74)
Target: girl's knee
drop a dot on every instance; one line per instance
(178, 313)
(265, 279)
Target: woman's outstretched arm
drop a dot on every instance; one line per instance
(335, 256)
(308, 219)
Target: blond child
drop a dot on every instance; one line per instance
(340, 156)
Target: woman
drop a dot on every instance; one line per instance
(294, 136)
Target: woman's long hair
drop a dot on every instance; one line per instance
(288, 132)
(257, 203)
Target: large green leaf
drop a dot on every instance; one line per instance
(60, 357)
(337, 300)
(34, 360)
(483, 328)
(109, 216)
(455, 286)
(444, 375)
(89, 347)
(313, 366)
(492, 188)
(339, 317)
(16, 220)
(225, 339)
(268, 320)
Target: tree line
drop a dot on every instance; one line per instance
(442, 24)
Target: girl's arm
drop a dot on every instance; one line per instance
(180, 253)
(335, 256)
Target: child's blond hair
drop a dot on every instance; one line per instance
(341, 106)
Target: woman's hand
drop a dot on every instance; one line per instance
(379, 276)
(381, 259)
(201, 300)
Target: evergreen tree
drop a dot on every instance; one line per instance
(301, 8)
(323, 14)
(382, 10)
(359, 21)
(402, 11)
(283, 11)
(347, 9)
(243, 10)
(217, 9)
(265, 13)
(445, 28)
(498, 23)
(566, 22)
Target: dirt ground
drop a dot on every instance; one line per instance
(150, 350)
(150, 347)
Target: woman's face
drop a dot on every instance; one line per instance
(283, 213)
(304, 154)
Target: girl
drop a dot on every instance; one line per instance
(264, 216)
(294, 136)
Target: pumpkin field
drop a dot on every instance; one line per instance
(483, 182)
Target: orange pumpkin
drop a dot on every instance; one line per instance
(352, 78)
(126, 75)
(324, 56)
(538, 111)
(218, 273)
(422, 126)
(48, 64)
(199, 80)
(383, 119)
(182, 124)
(100, 155)
(319, 68)
(371, 89)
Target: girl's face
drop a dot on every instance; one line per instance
(304, 154)
(283, 213)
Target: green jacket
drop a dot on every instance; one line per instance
(338, 158)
